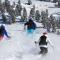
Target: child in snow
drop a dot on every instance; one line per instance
(3, 32)
(30, 25)
(43, 41)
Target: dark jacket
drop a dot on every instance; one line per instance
(43, 40)
(3, 31)
(30, 25)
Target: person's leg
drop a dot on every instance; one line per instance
(43, 50)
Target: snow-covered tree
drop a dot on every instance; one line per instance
(37, 15)
(55, 1)
(48, 25)
(13, 4)
(2, 9)
(4, 18)
(59, 23)
(43, 17)
(29, 2)
(18, 8)
(0, 5)
(53, 23)
(12, 13)
(32, 12)
(58, 3)
(24, 15)
(7, 5)
(46, 13)
(58, 32)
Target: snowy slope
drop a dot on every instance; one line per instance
(21, 45)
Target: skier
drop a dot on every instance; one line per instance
(3, 32)
(43, 41)
(30, 25)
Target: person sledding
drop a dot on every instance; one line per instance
(3, 32)
(43, 41)
(30, 25)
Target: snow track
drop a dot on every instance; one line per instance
(21, 46)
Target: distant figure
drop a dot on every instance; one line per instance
(3, 32)
(43, 41)
(30, 25)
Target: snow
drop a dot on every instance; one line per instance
(6, 13)
(18, 18)
(39, 24)
(42, 6)
(21, 46)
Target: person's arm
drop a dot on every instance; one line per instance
(5, 32)
(25, 25)
(51, 44)
(37, 42)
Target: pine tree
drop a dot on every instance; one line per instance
(48, 25)
(19, 2)
(53, 23)
(43, 17)
(37, 15)
(32, 12)
(2, 9)
(4, 18)
(0, 5)
(7, 5)
(12, 14)
(59, 23)
(18, 8)
(54, 1)
(46, 13)
(29, 2)
(58, 32)
(58, 3)
(24, 16)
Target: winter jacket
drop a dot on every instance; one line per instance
(30, 25)
(43, 40)
(3, 31)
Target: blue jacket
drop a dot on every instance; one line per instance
(3, 31)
